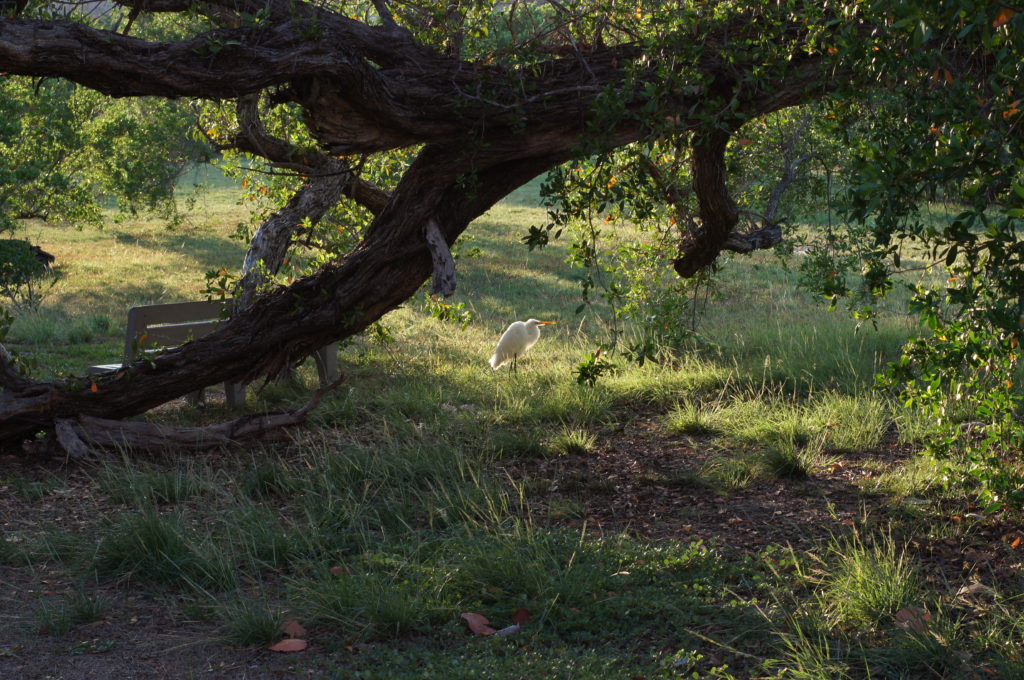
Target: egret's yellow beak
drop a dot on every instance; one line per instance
(545, 323)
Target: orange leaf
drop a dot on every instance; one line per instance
(478, 624)
(522, 615)
(289, 645)
(1016, 542)
(94, 388)
(744, 142)
(1004, 18)
(292, 628)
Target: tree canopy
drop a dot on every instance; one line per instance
(484, 96)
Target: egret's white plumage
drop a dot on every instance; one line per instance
(517, 338)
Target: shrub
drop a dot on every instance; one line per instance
(25, 274)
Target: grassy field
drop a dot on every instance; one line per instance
(754, 509)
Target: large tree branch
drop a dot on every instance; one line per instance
(328, 179)
(718, 212)
(223, 63)
(254, 138)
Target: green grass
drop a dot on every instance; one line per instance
(868, 583)
(573, 442)
(138, 484)
(58, 618)
(248, 621)
(160, 549)
(412, 495)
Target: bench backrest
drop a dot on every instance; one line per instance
(171, 324)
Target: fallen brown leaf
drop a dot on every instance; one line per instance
(913, 619)
(478, 624)
(292, 628)
(522, 615)
(289, 645)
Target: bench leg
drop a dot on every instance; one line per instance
(196, 398)
(327, 363)
(234, 393)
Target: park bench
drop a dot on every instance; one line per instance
(151, 328)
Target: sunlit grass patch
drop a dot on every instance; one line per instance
(762, 420)
(808, 653)
(788, 461)
(573, 442)
(693, 417)
(868, 582)
(730, 473)
(920, 476)
(850, 423)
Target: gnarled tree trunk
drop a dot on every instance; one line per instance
(485, 129)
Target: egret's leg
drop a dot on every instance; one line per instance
(515, 364)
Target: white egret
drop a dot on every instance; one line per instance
(517, 338)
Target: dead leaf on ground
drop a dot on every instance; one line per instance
(522, 615)
(478, 624)
(913, 619)
(975, 591)
(289, 645)
(293, 628)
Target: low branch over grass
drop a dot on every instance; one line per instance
(484, 128)
(80, 437)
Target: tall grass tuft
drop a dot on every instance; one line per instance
(11, 553)
(250, 621)
(868, 583)
(150, 547)
(73, 610)
(851, 423)
(788, 461)
(268, 477)
(809, 653)
(140, 484)
(378, 594)
(693, 418)
(573, 441)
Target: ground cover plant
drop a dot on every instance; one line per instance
(752, 507)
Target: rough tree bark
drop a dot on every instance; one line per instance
(485, 129)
